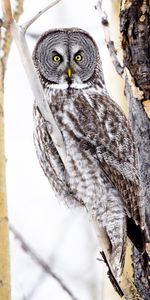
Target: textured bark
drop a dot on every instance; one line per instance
(5, 43)
(135, 29)
(136, 46)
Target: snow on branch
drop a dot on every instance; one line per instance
(18, 34)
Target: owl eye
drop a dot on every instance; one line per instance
(56, 58)
(78, 57)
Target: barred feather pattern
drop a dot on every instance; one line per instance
(92, 178)
(102, 167)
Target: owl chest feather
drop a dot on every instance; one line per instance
(97, 145)
(83, 171)
(74, 112)
(76, 117)
(90, 115)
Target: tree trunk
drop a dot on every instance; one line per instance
(135, 30)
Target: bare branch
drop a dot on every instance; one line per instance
(26, 25)
(19, 37)
(109, 42)
(38, 260)
(6, 38)
(5, 44)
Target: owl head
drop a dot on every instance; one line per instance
(67, 57)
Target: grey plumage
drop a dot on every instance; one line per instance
(102, 172)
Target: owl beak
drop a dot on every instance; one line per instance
(69, 71)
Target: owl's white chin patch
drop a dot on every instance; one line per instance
(59, 86)
(65, 85)
(77, 85)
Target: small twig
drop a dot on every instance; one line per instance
(100, 259)
(33, 35)
(52, 258)
(36, 258)
(26, 25)
(109, 42)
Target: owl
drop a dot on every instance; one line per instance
(102, 166)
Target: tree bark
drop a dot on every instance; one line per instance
(135, 30)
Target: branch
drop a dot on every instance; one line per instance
(18, 33)
(6, 38)
(38, 260)
(26, 25)
(5, 43)
(109, 42)
(6, 6)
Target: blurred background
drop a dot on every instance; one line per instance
(63, 238)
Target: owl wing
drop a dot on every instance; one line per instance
(130, 192)
(50, 161)
(120, 173)
(108, 132)
(117, 156)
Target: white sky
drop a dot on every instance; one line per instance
(65, 238)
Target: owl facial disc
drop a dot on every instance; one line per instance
(66, 58)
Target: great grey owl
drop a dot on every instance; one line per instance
(102, 173)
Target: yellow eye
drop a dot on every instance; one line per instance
(78, 57)
(56, 58)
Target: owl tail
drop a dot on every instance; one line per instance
(126, 288)
(112, 277)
